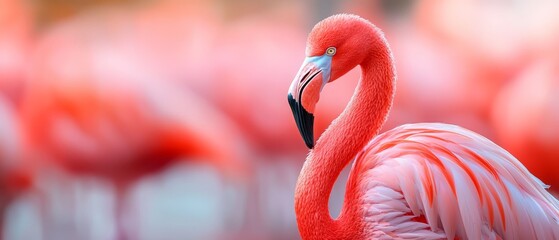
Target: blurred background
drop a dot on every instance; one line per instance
(145, 119)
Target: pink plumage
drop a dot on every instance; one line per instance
(463, 184)
(417, 181)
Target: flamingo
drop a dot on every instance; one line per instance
(525, 116)
(525, 111)
(110, 116)
(474, 42)
(16, 174)
(416, 181)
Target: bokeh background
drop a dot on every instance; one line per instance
(145, 119)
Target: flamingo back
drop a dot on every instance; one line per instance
(436, 181)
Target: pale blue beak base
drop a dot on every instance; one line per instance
(324, 63)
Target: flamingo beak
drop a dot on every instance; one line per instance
(304, 93)
(304, 120)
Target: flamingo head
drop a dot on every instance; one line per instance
(335, 45)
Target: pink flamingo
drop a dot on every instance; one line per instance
(424, 66)
(525, 111)
(525, 117)
(417, 181)
(15, 45)
(470, 42)
(93, 108)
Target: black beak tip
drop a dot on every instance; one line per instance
(310, 144)
(304, 120)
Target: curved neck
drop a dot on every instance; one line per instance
(345, 137)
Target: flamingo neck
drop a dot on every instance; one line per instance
(345, 137)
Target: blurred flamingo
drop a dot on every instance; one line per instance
(95, 108)
(442, 42)
(15, 45)
(525, 117)
(474, 43)
(525, 111)
(187, 41)
(428, 180)
(424, 66)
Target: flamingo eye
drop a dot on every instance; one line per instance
(331, 51)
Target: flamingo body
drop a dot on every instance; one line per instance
(436, 181)
(417, 181)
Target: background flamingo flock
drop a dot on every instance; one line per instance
(167, 119)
